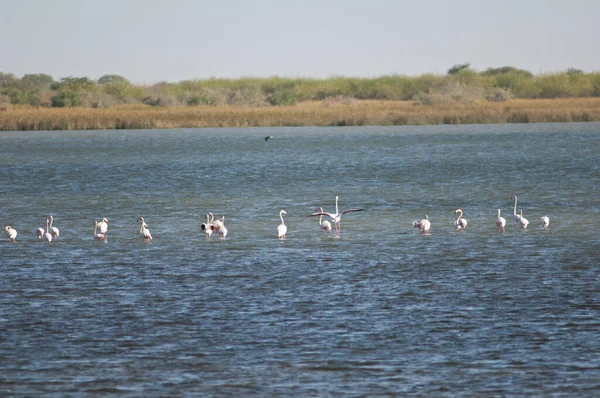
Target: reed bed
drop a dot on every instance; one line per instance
(310, 113)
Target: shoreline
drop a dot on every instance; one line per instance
(313, 113)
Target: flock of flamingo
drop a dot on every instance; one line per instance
(217, 227)
(461, 223)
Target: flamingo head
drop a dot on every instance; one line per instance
(141, 219)
(105, 220)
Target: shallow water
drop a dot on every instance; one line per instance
(382, 310)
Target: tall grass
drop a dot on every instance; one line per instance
(309, 113)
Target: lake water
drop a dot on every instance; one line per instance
(382, 310)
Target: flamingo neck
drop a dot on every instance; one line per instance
(336, 205)
(515, 209)
(281, 216)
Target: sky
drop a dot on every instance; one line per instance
(149, 41)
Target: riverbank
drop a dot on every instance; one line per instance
(314, 113)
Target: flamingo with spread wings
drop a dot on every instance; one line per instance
(335, 217)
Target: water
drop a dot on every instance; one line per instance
(380, 311)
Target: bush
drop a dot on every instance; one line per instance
(5, 104)
(250, 95)
(451, 93)
(66, 99)
(554, 85)
(282, 97)
(506, 69)
(499, 94)
(161, 100)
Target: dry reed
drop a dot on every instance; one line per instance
(314, 113)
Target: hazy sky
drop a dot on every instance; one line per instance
(148, 41)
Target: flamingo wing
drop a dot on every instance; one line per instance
(352, 210)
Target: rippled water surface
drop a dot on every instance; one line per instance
(381, 310)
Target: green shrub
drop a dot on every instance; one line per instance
(66, 99)
(282, 97)
(553, 85)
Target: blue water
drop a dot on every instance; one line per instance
(382, 310)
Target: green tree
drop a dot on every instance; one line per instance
(7, 79)
(457, 68)
(112, 79)
(34, 82)
(506, 69)
(74, 84)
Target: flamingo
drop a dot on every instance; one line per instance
(144, 231)
(324, 225)
(98, 235)
(208, 226)
(40, 233)
(55, 232)
(222, 230)
(103, 226)
(48, 235)
(516, 217)
(500, 222)
(12, 233)
(545, 222)
(281, 228)
(523, 222)
(335, 217)
(424, 225)
(460, 223)
(217, 223)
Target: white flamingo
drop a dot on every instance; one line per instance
(103, 226)
(12, 233)
(516, 217)
(424, 225)
(217, 223)
(281, 228)
(221, 230)
(523, 222)
(48, 235)
(324, 225)
(53, 230)
(545, 222)
(98, 235)
(208, 226)
(336, 217)
(460, 223)
(144, 231)
(40, 233)
(500, 222)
